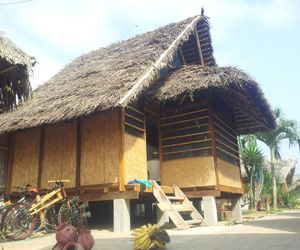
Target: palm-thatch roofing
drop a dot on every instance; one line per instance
(237, 87)
(284, 170)
(114, 76)
(15, 66)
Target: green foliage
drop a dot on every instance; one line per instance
(288, 200)
(285, 130)
(75, 212)
(253, 160)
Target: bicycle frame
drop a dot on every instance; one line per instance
(45, 201)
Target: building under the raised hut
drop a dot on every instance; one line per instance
(155, 106)
(15, 67)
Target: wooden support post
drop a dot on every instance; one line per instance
(10, 162)
(121, 215)
(213, 140)
(78, 153)
(198, 46)
(121, 150)
(41, 156)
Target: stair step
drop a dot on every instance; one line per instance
(191, 222)
(181, 208)
(174, 198)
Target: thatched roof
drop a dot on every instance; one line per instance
(229, 81)
(15, 66)
(114, 76)
(104, 78)
(284, 169)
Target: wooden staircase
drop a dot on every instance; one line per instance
(180, 209)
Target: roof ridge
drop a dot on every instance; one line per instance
(151, 72)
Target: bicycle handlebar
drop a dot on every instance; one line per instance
(59, 181)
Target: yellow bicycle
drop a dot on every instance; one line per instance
(21, 219)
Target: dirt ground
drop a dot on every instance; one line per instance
(276, 232)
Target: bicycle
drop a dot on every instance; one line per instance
(52, 208)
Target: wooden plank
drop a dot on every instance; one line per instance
(235, 149)
(230, 189)
(187, 120)
(135, 127)
(185, 143)
(225, 131)
(135, 118)
(185, 128)
(234, 156)
(202, 193)
(10, 162)
(226, 125)
(225, 138)
(184, 114)
(121, 150)
(78, 152)
(101, 196)
(41, 157)
(187, 135)
(189, 150)
(186, 106)
(134, 109)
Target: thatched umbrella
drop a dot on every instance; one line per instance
(15, 67)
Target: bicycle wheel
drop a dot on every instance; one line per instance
(51, 218)
(71, 214)
(17, 223)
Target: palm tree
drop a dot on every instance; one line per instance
(285, 129)
(253, 160)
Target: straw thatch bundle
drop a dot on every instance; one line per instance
(191, 79)
(15, 66)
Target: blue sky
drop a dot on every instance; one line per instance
(260, 37)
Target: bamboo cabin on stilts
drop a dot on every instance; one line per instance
(154, 107)
(15, 88)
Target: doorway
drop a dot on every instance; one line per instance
(152, 140)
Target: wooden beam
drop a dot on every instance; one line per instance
(78, 152)
(3, 71)
(201, 193)
(102, 196)
(181, 56)
(198, 46)
(121, 150)
(157, 65)
(11, 151)
(228, 189)
(41, 156)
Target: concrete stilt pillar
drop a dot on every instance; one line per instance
(162, 217)
(237, 210)
(121, 215)
(210, 210)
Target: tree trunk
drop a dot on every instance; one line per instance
(274, 188)
(251, 189)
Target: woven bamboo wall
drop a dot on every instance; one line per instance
(100, 139)
(26, 158)
(59, 158)
(229, 174)
(135, 158)
(189, 172)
